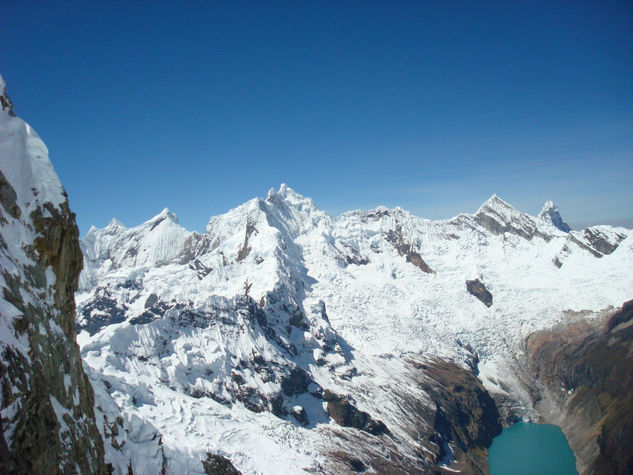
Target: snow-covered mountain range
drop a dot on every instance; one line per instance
(286, 340)
(283, 340)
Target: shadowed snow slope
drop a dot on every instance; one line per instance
(287, 340)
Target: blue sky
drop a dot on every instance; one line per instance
(432, 106)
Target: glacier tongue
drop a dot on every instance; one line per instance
(258, 335)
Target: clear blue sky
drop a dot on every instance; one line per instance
(432, 106)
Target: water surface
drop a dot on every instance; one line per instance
(525, 448)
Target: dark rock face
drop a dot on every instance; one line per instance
(297, 382)
(479, 290)
(455, 429)
(245, 250)
(466, 415)
(594, 368)
(498, 217)
(624, 315)
(345, 414)
(48, 423)
(218, 465)
(594, 241)
(406, 250)
(8, 197)
(353, 256)
(53, 427)
(498, 227)
(100, 313)
(599, 242)
(5, 100)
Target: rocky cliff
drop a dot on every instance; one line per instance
(48, 422)
(586, 370)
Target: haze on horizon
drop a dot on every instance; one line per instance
(428, 106)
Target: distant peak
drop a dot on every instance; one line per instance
(114, 223)
(164, 214)
(495, 198)
(291, 201)
(495, 203)
(550, 215)
(284, 192)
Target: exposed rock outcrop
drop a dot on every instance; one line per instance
(342, 410)
(498, 217)
(451, 423)
(478, 289)
(599, 243)
(587, 370)
(219, 465)
(466, 418)
(407, 250)
(5, 100)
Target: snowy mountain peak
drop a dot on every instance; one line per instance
(496, 204)
(283, 191)
(113, 224)
(33, 171)
(550, 215)
(288, 195)
(296, 211)
(164, 214)
(499, 217)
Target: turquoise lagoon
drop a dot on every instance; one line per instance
(525, 448)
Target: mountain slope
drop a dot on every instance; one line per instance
(48, 422)
(586, 369)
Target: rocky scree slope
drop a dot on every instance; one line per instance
(317, 341)
(586, 371)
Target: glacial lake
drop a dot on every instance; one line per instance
(526, 448)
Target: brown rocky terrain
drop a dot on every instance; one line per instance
(452, 433)
(586, 370)
(478, 289)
